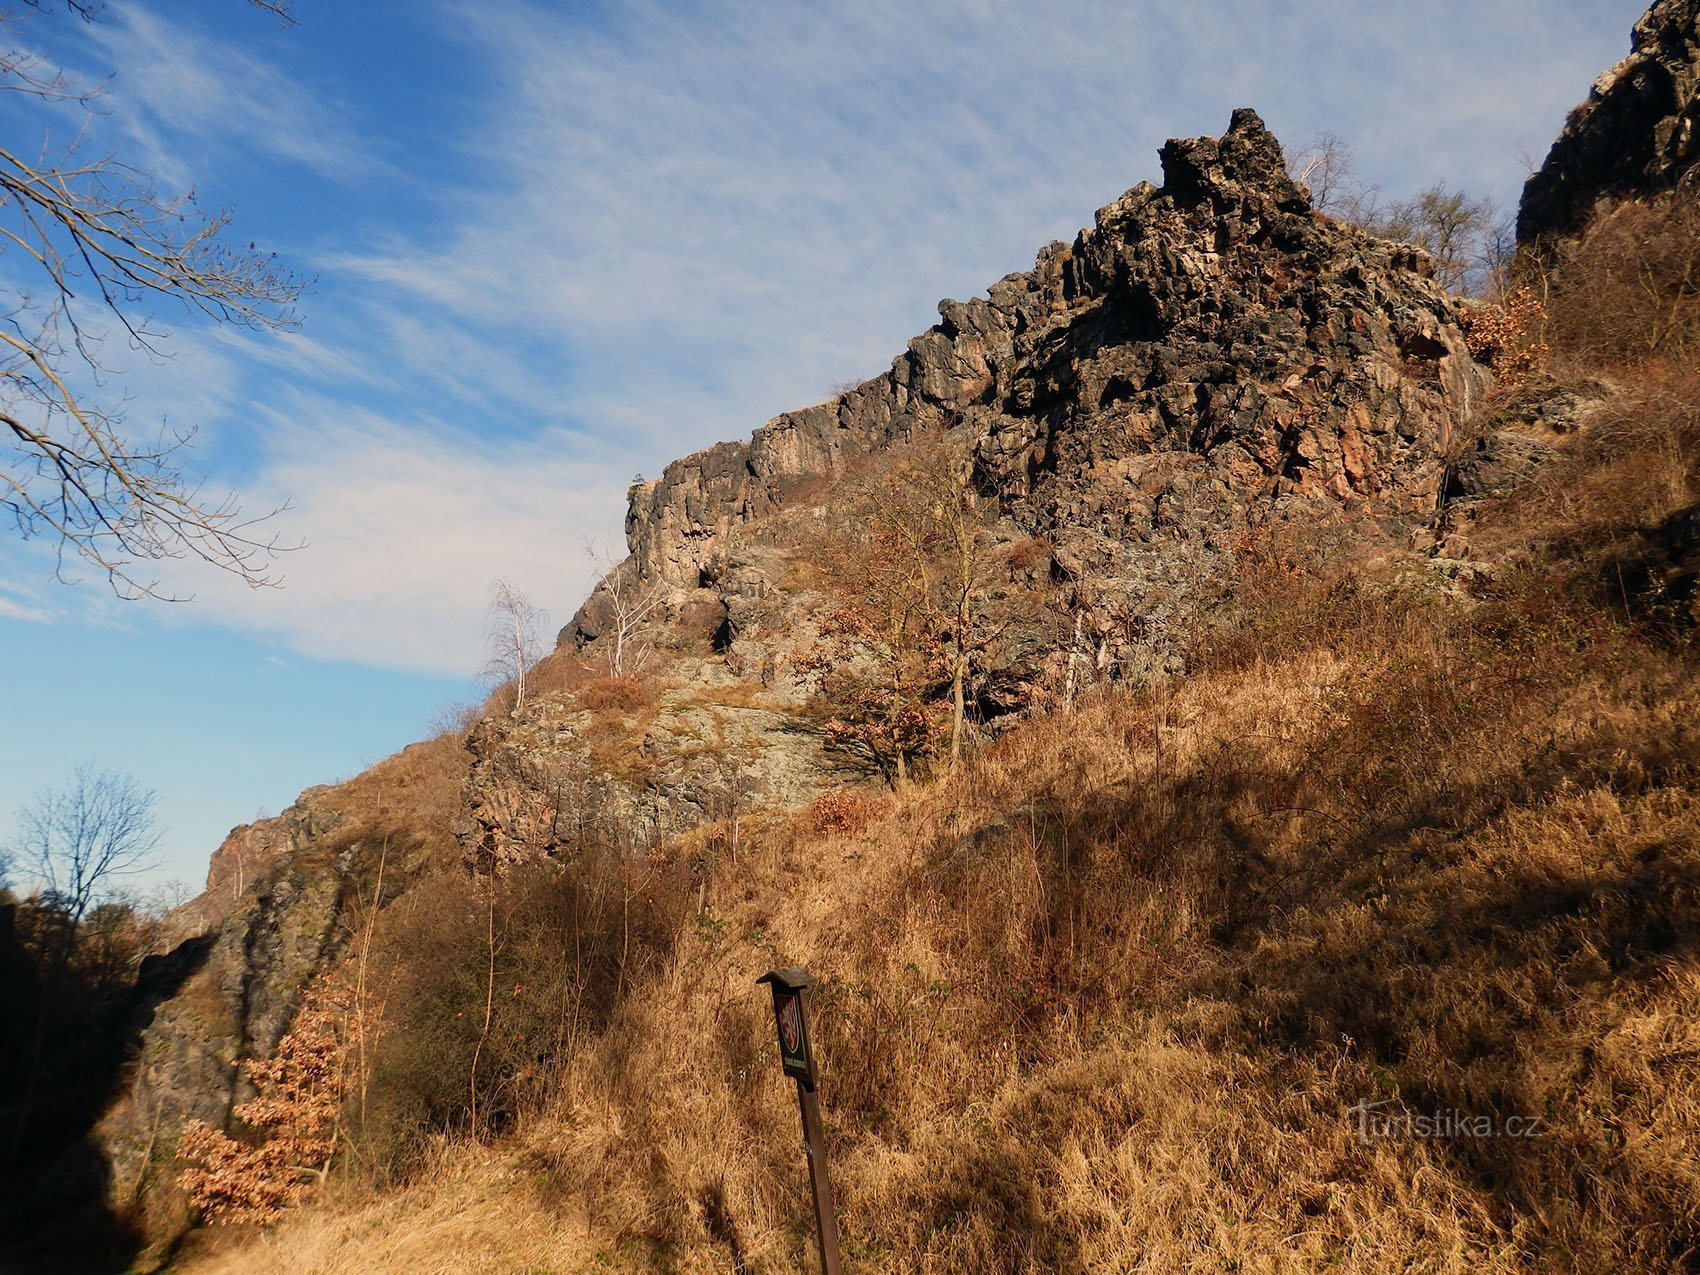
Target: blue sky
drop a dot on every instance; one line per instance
(557, 245)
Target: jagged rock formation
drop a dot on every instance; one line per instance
(260, 932)
(1638, 133)
(1210, 354)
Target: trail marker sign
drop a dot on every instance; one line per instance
(798, 1061)
(794, 1053)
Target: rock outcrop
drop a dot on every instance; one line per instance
(567, 771)
(1210, 354)
(1637, 134)
(264, 927)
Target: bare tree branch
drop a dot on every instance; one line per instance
(102, 245)
(631, 599)
(514, 635)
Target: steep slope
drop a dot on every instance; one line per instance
(1209, 360)
(1347, 819)
(1209, 363)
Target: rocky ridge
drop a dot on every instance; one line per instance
(1637, 134)
(1208, 355)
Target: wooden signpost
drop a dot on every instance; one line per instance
(799, 1063)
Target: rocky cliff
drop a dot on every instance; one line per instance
(265, 925)
(1209, 354)
(1638, 133)
(1209, 358)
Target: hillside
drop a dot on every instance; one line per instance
(1217, 714)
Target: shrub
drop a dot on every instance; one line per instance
(291, 1128)
(622, 694)
(488, 988)
(841, 812)
(1627, 291)
(1506, 336)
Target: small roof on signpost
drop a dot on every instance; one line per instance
(793, 978)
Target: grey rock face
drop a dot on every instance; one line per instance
(1496, 464)
(1638, 133)
(560, 776)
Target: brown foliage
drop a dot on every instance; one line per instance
(1627, 292)
(1026, 554)
(291, 1128)
(841, 812)
(622, 694)
(1506, 336)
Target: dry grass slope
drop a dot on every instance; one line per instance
(1104, 1001)
(1111, 998)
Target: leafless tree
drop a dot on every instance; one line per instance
(933, 511)
(913, 572)
(78, 840)
(631, 601)
(1325, 165)
(513, 636)
(1464, 235)
(89, 244)
(1451, 226)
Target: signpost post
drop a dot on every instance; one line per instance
(799, 1063)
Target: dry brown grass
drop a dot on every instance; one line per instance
(1103, 1001)
(1622, 329)
(620, 693)
(473, 1221)
(1627, 291)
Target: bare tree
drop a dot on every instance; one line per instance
(89, 243)
(912, 566)
(1451, 226)
(514, 636)
(1465, 236)
(933, 510)
(631, 601)
(78, 840)
(1325, 165)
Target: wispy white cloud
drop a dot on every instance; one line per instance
(406, 525)
(21, 606)
(184, 95)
